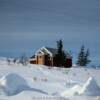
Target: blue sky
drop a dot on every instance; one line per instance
(26, 25)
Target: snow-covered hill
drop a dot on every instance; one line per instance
(18, 82)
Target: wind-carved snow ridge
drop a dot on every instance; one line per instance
(90, 88)
(13, 84)
(71, 92)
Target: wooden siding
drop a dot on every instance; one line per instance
(40, 59)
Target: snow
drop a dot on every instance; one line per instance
(72, 91)
(90, 88)
(19, 82)
(12, 84)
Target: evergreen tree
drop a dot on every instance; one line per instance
(87, 60)
(83, 57)
(60, 57)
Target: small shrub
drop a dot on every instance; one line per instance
(23, 60)
(8, 61)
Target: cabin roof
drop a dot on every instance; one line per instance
(32, 56)
(52, 50)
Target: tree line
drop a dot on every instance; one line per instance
(83, 58)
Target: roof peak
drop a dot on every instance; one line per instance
(51, 50)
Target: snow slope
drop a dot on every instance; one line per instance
(31, 82)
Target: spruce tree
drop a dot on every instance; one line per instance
(83, 57)
(87, 60)
(60, 57)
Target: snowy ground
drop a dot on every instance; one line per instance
(38, 82)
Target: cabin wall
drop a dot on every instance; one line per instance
(40, 59)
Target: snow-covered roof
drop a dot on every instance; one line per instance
(48, 50)
(52, 50)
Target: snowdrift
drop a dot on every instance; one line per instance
(90, 88)
(71, 92)
(12, 84)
